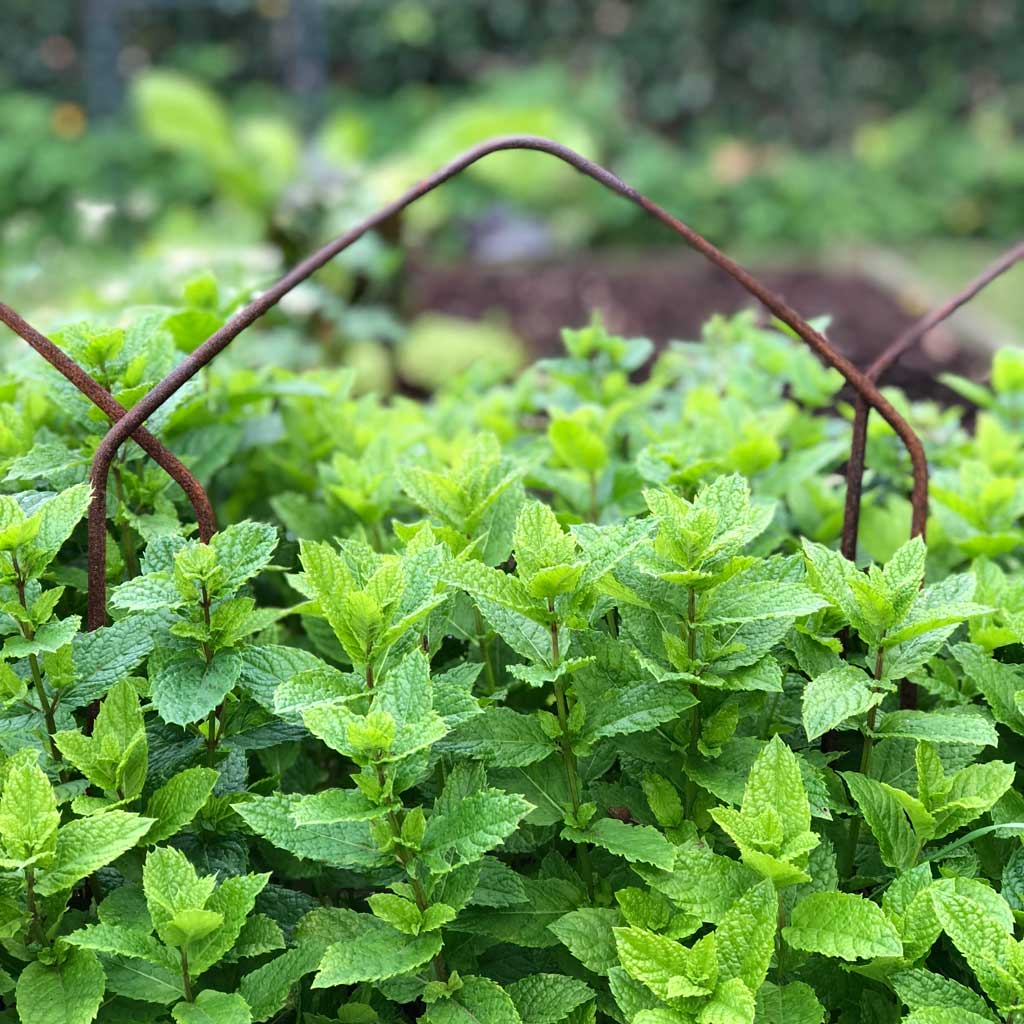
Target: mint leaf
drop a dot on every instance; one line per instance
(840, 924)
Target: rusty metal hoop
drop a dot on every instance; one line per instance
(221, 338)
(107, 404)
(885, 360)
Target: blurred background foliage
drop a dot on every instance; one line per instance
(235, 135)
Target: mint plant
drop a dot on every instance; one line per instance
(551, 704)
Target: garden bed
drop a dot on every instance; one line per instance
(666, 297)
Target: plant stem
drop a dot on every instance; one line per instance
(853, 836)
(483, 643)
(186, 981)
(127, 542)
(572, 777)
(594, 507)
(214, 727)
(779, 947)
(695, 719)
(403, 858)
(33, 663)
(36, 925)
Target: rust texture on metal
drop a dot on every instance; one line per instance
(107, 404)
(128, 424)
(885, 360)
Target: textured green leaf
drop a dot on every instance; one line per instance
(336, 805)
(186, 689)
(69, 992)
(636, 707)
(212, 1007)
(956, 725)
(465, 832)
(266, 989)
(142, 981)
(483, 583)
(28, 812)
(885, 817)
(233, 900)
(548, 998)
(87, 844)
(843, 925)
(48, 638)
(636, 843)
(478, 1001)
(835, 696)
(998, 682)
(123, 941)
(588, 934)
(731, 1003)
(921, 989)
(107, 655)
(701, 883)
(58, 518)
(739, 600)
(373, 951)
(746, 936)
(243, 551)
(265, 667)
(981, 935)
(794, 1003)
(665, 966)
(524, 924)
(944, 1015)
(344, 845)
(775, 781)
(178, 801)
(502, 737)
(151, 592)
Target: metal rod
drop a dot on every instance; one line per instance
(107, 404)
(191, 365)
(886, 359)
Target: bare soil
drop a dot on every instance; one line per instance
(667, 298)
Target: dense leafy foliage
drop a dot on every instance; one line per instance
(539, 702)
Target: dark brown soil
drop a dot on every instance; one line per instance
(669, 298)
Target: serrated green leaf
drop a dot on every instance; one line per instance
(589, 935)
(746, 936)
(465, 832)
(373, 951)
(69, 992)
(243, 551)
(178, 801)
(28, 812)
(834, 697)
(636, 707)
(478, 1001)
(503, 738)
(87, 844)
(668, 968)
(343, 845)
(843, 925)
(885, 817)
(548, 998)
(636, 843)
(921, 989)
(794, 1003)
(186, 689)
(954, 725)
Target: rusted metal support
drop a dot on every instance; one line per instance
(888, 357)
(220, 339)
(107, 404)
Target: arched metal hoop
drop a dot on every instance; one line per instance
(888, 358)
(218, 341)
(108, 405)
